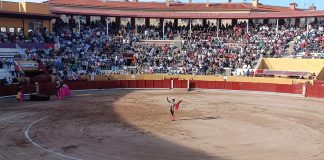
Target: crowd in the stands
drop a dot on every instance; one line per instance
(204, 50)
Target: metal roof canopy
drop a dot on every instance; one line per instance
(182, 15)
(10, 14)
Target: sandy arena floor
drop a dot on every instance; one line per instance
(135, 125)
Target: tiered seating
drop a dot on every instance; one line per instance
(36, 45)
(9, 52)
(7, 45)
(5, 73)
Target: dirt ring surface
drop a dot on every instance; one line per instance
(129, 124)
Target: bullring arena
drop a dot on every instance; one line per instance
(135, 124)
(101, 79)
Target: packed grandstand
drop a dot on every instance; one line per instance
(85, 45)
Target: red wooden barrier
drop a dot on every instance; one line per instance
(49, 88)
(184, 84)
(157, 84)
(177, 84)
(8, 90)
(149, 84)
(280, 88)
(192, 84)
(229, 85)
(272, 88)
(123, 84)
(93, 85)
(90, 85)
(211, 85)
(245, 86)
(4, 90)
(141, 83)
(204, 84)
(108, 84)
(236, 86)
(298, 88)
(263, 87)
(313, 91)
(318, 83)
(320, 92)
(132, 84)
(255, 86)
(197, 84)
(166, 84)
(285, 88)
(219, 85)
(116, 84)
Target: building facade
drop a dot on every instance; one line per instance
(25, 16)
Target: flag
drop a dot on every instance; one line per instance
(177, 106)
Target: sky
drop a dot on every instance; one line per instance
(301, 3)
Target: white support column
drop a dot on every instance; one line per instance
(188, 85)
(79, 20)
(37, 87)
(107, 26)
(247, 26)
(277, 29)
(307, 23)
(190, 31)
(217, 27)
(163, 25)
(172, 84)
(304, 90)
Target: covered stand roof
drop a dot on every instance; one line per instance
(11, 14)
(177, 10)
(173, 6)
(143, 14)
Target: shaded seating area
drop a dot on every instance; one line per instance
(277, 73)
(292, 68)
(27, 45)
(36, 45)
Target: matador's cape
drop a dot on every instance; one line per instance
(177, 105)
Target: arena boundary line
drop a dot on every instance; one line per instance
(26, 133)
(9, 117)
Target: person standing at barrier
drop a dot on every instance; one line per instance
(58, 90)
(173, 105)
(20, 93)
